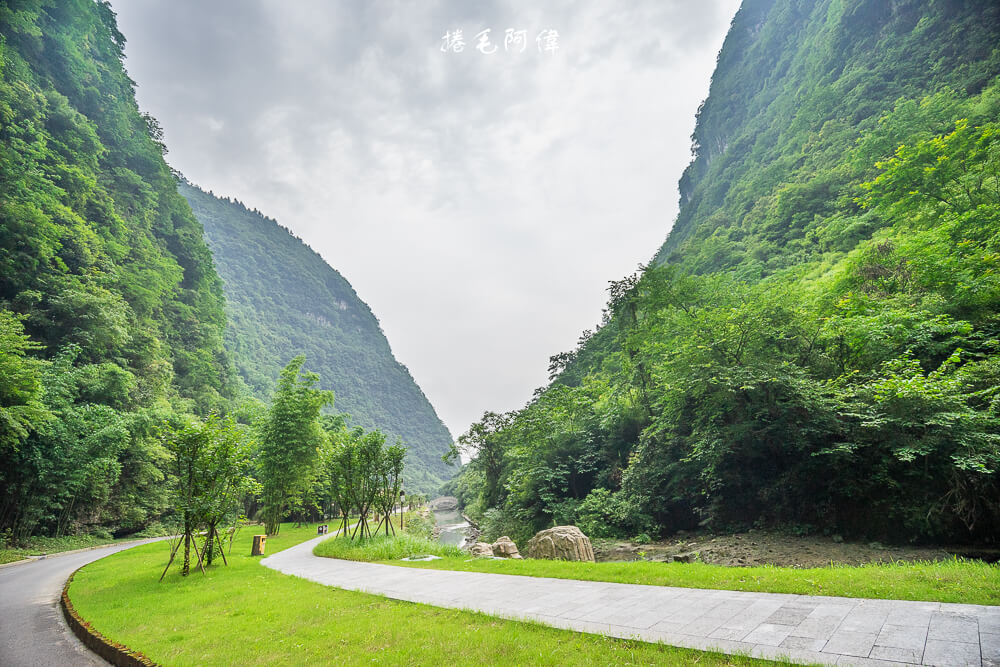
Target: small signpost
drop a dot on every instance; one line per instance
(259, 542)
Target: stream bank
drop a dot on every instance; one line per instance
(450, 525)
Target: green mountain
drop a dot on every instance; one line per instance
(815, 346)
(283, 299)
(111, 313)
(797, 83)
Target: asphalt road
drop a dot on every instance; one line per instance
(32, 630)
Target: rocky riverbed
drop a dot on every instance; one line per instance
(758, 547)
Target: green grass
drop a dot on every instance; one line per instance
(248, 614)
(50, 545)
(956, 580)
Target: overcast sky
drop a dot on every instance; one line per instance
(478, 202)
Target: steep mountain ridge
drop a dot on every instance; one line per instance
(283, 299)
(796, 79)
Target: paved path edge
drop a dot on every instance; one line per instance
(944, 628)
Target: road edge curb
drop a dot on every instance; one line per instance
(116, 654)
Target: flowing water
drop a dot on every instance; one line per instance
(454, 527)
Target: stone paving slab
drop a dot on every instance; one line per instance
(800, 628)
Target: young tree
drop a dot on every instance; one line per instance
(390, 480)
(230, 482)
(210, 469)
(290, 440)
(415, 500)
(369, 455)
(336, 468)
(189, 442)
(344, 478)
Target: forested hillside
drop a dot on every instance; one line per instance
(111, 313)
(797, 84)
(283, 299)
(815, 347)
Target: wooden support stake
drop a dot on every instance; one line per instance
(194, 544)
(173, 552)
(218, 540)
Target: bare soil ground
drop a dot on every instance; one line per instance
(757, 547)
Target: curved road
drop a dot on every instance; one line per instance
(32, 629)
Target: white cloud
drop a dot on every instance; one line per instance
(479, 204)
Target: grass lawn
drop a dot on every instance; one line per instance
(51, 545)
(957, 580)
(248, 614)
(972, 582)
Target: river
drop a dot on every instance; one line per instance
(454, 527)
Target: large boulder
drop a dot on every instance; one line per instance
(561, 543)
(505, 548)
(480, 549)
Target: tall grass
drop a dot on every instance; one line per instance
(383, 548)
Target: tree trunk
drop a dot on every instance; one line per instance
(186, 567)
(210, 544)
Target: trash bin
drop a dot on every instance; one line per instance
(259, 542)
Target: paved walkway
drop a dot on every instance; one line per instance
(807, 629)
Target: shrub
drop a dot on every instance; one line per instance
(501, 521)
(381, 547)
(418, 526)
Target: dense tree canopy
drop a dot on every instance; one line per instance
(111, 313)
